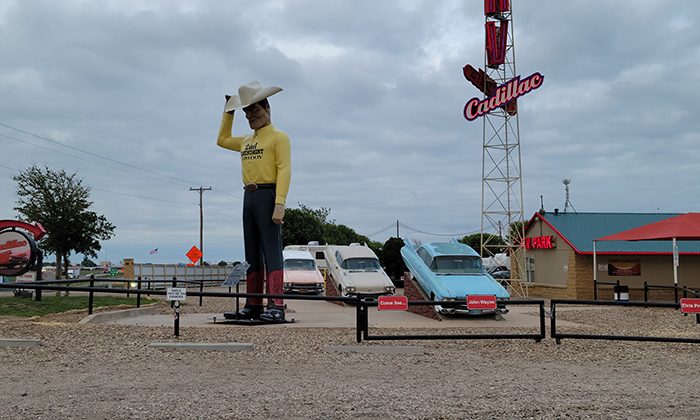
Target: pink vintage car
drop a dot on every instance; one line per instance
(300, 273)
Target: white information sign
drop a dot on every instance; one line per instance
(177, 293)
(28, 276)
(237, 274)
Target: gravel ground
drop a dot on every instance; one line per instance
(107, 371)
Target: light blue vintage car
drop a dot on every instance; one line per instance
(450, 271)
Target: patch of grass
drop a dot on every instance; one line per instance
(25, 307)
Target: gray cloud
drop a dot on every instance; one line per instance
(373, 101)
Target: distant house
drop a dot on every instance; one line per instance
(559, 252)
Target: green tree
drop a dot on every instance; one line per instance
(474, 241)
(221, 263)
(303, 225)
(88, 263)
(60, 202)
(391, 258)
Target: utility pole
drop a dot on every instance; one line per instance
(201, 220)
(397, 229)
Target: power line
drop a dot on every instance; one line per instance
(133, 195)
(137, 196)
(382, 230)
(7, 167)
(438, 234)
(39, 136)
(180, 181)
(83, 158)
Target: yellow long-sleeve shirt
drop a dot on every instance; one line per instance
(265, 156)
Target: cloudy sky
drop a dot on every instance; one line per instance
(129, 94)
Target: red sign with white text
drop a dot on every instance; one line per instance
(690, 306)
(392, 303)
(481, 302)
(540, 242)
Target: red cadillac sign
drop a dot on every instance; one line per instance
(18, 251)
(504, 94)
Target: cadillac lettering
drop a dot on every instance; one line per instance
(505, 93)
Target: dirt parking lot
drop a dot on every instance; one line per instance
(96, 371)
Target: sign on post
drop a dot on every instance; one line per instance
(392, 303)
(176, 293)
(238, 274)
(690, 306)
(194, 254)
(476, 302)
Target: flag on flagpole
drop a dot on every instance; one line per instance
(154, 251)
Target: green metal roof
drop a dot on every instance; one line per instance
(581, 229)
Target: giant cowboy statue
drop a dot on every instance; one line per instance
(266, 168)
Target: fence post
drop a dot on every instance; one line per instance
(553, 323)
(595, 289)
(90, 295)
(675, 293)
(172, 304)
(618, 288)
(138, 294)
(358, 319)
(646, 292)
(201, 289)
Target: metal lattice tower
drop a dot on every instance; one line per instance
(501, 185)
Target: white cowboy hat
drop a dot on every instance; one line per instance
(250, 93)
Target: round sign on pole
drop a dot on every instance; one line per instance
(18, 253)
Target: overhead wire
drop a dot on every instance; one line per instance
(45, 138)
(438, 234)
(130, 195)
(382, 230)
(82, 158)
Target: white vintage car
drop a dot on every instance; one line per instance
(300, 273)
(356, 269)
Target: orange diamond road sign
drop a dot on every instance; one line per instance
(194, 254)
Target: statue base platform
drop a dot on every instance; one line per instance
(232, 318)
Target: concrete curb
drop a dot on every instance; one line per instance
(19, 342)
(104, 317)
(376, 349)
(203, 346)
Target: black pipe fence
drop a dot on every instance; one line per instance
(646, 288)
(363, 323)
(138, 291)
(558, 336)
(47, 285)
(362, 304)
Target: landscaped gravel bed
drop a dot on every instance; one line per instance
(109, 371)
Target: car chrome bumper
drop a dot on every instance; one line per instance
(462, 310)
(303, 289)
